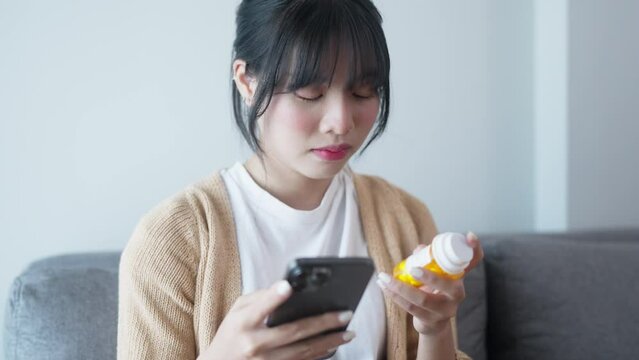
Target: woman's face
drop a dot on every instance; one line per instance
(316, 129)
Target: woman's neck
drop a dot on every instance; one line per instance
(285, 184)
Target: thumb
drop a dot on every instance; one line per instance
(266, 301)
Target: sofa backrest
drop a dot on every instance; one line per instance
(563, 296)
(64, 307)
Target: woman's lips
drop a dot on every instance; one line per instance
(332, 153)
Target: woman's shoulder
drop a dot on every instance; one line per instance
(384, 190)
(178, 221)
(379, 197)
(196, 200)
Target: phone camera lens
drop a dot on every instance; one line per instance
(297, 279)
(320, 276)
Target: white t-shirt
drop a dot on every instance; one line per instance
(270, 234)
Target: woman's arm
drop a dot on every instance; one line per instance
(157, 288)
(437, 346)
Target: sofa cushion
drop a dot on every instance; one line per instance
(471, 316)
(563, 296)
(64, 307)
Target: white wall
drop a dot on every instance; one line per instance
(604, 114)
(586, 111)
(551, 114)
(461, 132)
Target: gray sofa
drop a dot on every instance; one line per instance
(536, 296)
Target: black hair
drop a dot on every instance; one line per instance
(285, 44)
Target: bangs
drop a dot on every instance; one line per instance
(332, 29)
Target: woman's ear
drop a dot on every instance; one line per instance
(244, 82)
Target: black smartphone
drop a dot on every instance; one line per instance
(321, 285)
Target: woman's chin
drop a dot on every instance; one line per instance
(323, 170)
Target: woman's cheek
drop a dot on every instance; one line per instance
(286, 117)
(369, 114)
(300, 121)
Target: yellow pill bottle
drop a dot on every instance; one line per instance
(447, 256)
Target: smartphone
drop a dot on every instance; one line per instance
(323, 284)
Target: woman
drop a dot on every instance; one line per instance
(199, 275)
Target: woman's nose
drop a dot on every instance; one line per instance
(338, 119)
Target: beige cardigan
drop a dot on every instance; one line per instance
(180, 272)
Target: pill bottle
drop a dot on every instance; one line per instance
(447, 256)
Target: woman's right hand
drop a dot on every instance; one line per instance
(243, 333)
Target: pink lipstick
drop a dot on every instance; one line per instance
(333, 152)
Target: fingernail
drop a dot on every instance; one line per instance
(381, 284)
(416, 272)
(330, 351)
(282, 287)
(348, 336)
(384, 277)
(345, 316)
(472, 236)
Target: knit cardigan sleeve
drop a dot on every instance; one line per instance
(157, 286)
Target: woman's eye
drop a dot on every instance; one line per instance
(364, 93)
(308, 94)
(309, 97)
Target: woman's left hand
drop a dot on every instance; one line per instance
(437, 300)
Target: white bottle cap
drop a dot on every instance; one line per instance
(452, 252)
(419, 259)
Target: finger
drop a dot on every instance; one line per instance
(478, 252)
(414, 299)
(263, 302)
(423, 314)
(305, 328)
(403, 303)
(317, 347)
